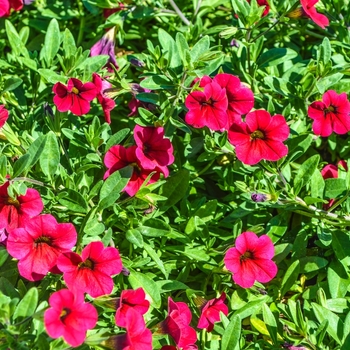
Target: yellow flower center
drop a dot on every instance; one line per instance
(257, 135)
(14, 202)
(88, 264)
(75, 90)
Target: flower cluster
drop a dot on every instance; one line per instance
(153, 153)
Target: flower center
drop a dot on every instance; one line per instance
(330, 109)
(75, 90)
(146, 148)
(14, 202)
(88, 264)
(297, 13)
(64, 313)
(247, 255)
(257, 134)
(43, 239)
(210, 102)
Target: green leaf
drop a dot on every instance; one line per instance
(174, 189)
(15, 41)
(202, 46)
(154, 228)
(338, 279)
(52, 42)
(270, 322)
(134, 236)
(117, 138)
(305, 172)
(169, 45)
(326, 82)
(312, 263)
(232, 334)
(22, 165)
(276, 56)
(335, 188)
(341, 246)
(250, 308)
(69, 45)
(325, 51)
(182, 46)
(138, 279)
(152, 253)
(50, 156)
(11, 84)
(73, 201)
(51, 76)
(157, 82)
(335, 326)
(290, 277)
(170, 285)
(297, 146)
(27, 305)
(36, 148)
(278, 226)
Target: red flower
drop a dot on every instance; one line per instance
(39, 243)
(210, 312)
(207, 107)
(74, 97)
(107, 103)
(260, 137)
(15, 212)
(310, 11)
(240, 98)
(69, 316)
(137, 336)
(118, 157)
(91, 272)
(330, 114)
(330, 171)
(177, 324)
(131, 299)
(4, 114)
(263, 3)
(7, 5)
(109, 12)
(153, 149)
(250, 260)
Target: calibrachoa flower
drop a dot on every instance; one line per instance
(177, 324)
(207, 107)
(210, 312)
(106, 46)
(15, 212)
(137, 336)
(153, 149)
(263, 3)
(69, 316)
(7, 5)
(74, 97)
(39, 243)
(330, 171)
(91, 272)
(259, 137)
(4, 114)
(107, 103)
(310, 11)
(250, 259)
(330, 114)
(118, 157)
(130, 299)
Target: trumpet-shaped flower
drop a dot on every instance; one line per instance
(69, 316)
(210, 312)
(250, 259)
(153, 149)
(74, 97)
(4, 114)
(310, 11)
(130, 299)
(331, 114)
(39, 243)
(91, 272)
(15, 212)
(259, 137)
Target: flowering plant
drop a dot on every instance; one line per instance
(174, 174)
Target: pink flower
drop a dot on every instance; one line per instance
(250, 260)
(38, 244)
(15, 212)
(131, 299)
(91, 272)
(137, 336)
(330, 114)
(69, 316)
(153, 149)
(107, 103)
(7, 5)
(109, 12)
(210, 312)
(263, 3)
(259, 137)
(310, 11)
(74, 97)
(177, 324)
(118, 157)
(207, 107)
(106, 46)
(4, 114)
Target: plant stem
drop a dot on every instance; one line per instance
(180, 14)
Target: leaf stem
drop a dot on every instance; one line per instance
(180, 14)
